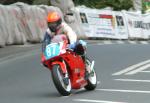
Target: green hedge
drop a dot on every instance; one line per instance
(145, 6)
(7, 2)
(116, 4)
(38, 2)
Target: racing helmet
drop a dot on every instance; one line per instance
(54, 20)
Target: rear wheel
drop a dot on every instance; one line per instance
(62, 83)
(92, 80)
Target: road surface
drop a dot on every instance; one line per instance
(123, 73)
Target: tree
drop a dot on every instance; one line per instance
(6, 2)
(116, 4)
(38, 2)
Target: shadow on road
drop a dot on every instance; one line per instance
(45, 95)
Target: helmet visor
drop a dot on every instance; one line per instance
(53, 24)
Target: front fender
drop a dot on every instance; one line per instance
(62, 65)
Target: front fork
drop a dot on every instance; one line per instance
(62, 65)
(64, 71)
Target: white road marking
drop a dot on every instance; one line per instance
(120, 42)
(132, 42)
(18, 56)
(144, 42)
(145, 71)
(133, 80)
(131, 67)
(108, 42)
(124, 91)
(138, 70)
(95, 101)
(23, 45)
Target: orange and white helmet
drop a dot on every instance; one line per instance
(53, 20)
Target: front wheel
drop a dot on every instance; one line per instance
(92, 80)
(58, 79)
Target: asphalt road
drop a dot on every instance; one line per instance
(123, 73)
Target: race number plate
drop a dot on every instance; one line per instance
(52, 50)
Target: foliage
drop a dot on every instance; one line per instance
(145, 6)
(6, 2)
(44, 2)
(36, 2)
(116, 4)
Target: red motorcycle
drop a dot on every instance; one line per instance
(69, 69)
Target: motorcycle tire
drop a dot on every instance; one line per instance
(57, 77)
(92, 79)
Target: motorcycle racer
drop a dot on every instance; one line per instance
(56, 31)
(56, 27)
